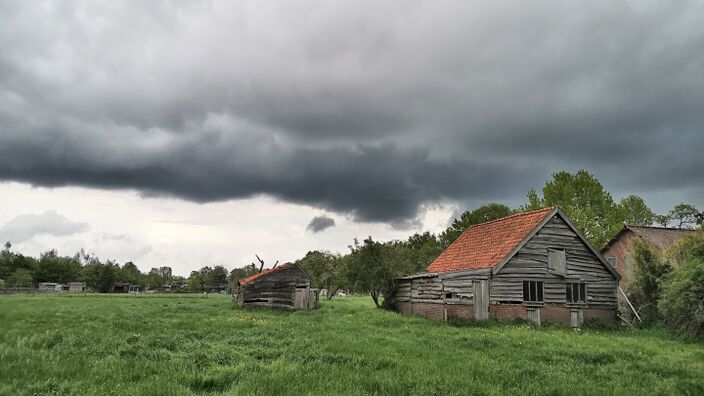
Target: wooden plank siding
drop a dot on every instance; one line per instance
(435, 288)
(531, 263)
(277, 289)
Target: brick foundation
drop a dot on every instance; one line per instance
(605, 316)
(461, 311)
(556, 314)
(428, 310)
(507, 311)
(437, 311)
(548, 313)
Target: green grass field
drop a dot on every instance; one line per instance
(170, 345)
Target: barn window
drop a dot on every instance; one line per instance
(532, 291)
(449, 295)
(612, 261)
(556, 260)
(576, 292)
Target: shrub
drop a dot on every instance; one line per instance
(691, 245)
(649, 275)
(682, 302)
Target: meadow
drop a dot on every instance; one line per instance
(180, 345)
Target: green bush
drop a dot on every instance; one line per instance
(682, 301)
(648, 280)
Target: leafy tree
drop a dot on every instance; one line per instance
(684, 215)
(6, 258)
(131, 274)
(683, 293)
(53, 268)
(661, 220)
(237, 274)
(685, 249)
(372, 267)
(20, 278)
(324, 269)
(217, 276)
(204, 274)
(482, 214)
(534, 201)
(11, 262)
(195, 281)
(166, 274)
(367, 270)
(154, 279)
(634, 211)
(649, 275)
(422, 249)
(101, 276)
(583, 199)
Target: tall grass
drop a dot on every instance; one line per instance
(180, 345)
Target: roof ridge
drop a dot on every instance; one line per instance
(660, 228)
(252, 277)
(546, 209)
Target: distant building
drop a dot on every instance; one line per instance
(532, 265)
(121, 287)
(76, 287)
(618, 251)
(285, 286)
(48, 286)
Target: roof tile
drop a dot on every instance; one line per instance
(485, 245)
(265, 272)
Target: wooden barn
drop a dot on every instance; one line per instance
(285, 286)
(532, 265)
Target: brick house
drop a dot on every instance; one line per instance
(532, 265)
(618, 251)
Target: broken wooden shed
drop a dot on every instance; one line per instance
(286, 286)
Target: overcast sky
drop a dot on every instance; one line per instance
(193, 133)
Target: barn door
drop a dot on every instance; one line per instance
(301, 301)
(481, 299)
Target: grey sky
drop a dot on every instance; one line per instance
(367, 109)
(29, 225)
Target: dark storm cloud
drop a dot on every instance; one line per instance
(367, 109)
(320, 223)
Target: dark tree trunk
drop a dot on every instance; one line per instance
(375, 297)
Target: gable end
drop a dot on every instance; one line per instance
(540, 226)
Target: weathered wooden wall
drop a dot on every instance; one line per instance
(276, 290)
(531, 263)
(443, 288)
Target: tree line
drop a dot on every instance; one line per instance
(18, 270)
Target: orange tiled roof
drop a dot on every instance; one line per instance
(255, 276)
(485, 245)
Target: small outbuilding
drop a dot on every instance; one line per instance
(532, 265)
(76, 287)
(285, 286)
(49, 286)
